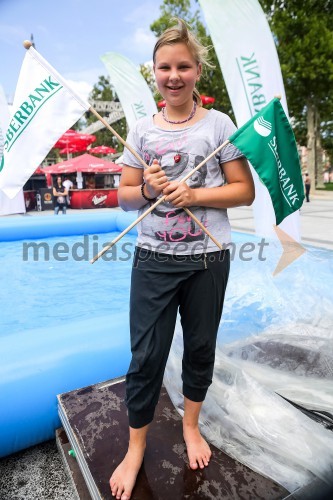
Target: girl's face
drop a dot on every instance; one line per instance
(176, 73)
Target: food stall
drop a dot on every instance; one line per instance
(31, 189)
(30, 199)
(95, 181)
(93, 198)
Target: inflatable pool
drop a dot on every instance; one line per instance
(64, 325)
(64, 322)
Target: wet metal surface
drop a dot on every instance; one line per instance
(97, 416)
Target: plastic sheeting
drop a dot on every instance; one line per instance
(275, 339)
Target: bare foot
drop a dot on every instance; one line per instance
(198, 450)
(124, 477)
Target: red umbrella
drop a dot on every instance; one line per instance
(75, 148)
(64, 140)
(84, 163)
(88, 138)
(68, 134)
(73, 138)
(102, 150)
(205, 100)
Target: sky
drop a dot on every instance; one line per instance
(72, 35)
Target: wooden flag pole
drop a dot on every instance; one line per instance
(27, 44)
(152, 207)
(138, 157)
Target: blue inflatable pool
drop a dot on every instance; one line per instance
(65, 321)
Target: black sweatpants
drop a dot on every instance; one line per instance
(160, 285)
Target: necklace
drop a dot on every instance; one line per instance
(178, 122)
(178, 156)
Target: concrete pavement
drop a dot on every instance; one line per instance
(316, 220)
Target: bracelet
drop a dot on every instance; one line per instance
(143, 193)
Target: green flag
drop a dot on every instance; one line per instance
(268, 142)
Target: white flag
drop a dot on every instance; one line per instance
(132, 89)
(249, 62)
(16, 205)
(4, 119)
(44, 108)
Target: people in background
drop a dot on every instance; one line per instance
(59, 193)
(326, 176)
(307, 184)
(90, 182)
(68, 184)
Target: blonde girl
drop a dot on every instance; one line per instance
(176, 267)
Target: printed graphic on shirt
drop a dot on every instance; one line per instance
(168, 229)
(167, 223)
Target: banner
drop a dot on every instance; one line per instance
(247, 55)
(44, 108)
(16, 205)
(132, 89)
(268, 142)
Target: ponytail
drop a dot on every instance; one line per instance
(196, 97)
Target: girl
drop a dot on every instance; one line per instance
(176, 266)
(59, 196)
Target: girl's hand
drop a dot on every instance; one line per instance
(179, 194)
(155, 179)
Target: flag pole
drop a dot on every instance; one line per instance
(152, 207)
(138, 157)
(27, 45)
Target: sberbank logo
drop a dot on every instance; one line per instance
(2, 162)
(262, 126)
(28, 109)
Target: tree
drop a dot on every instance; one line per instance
(103, 91)
(147, 72)
(303, 31)
(212, 83)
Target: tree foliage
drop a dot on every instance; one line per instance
(148, 74)
(103, 91)
(304, 34)
(304, 40)
(211, 83)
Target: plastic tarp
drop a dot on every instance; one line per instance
(275, 341)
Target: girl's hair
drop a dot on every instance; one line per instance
(180, 33)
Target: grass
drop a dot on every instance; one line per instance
(327, 187)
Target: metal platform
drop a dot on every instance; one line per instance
(95, 421)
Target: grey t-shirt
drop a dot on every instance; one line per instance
(168, 229)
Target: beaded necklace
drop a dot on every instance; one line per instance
(178, 156)
(178, 122)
